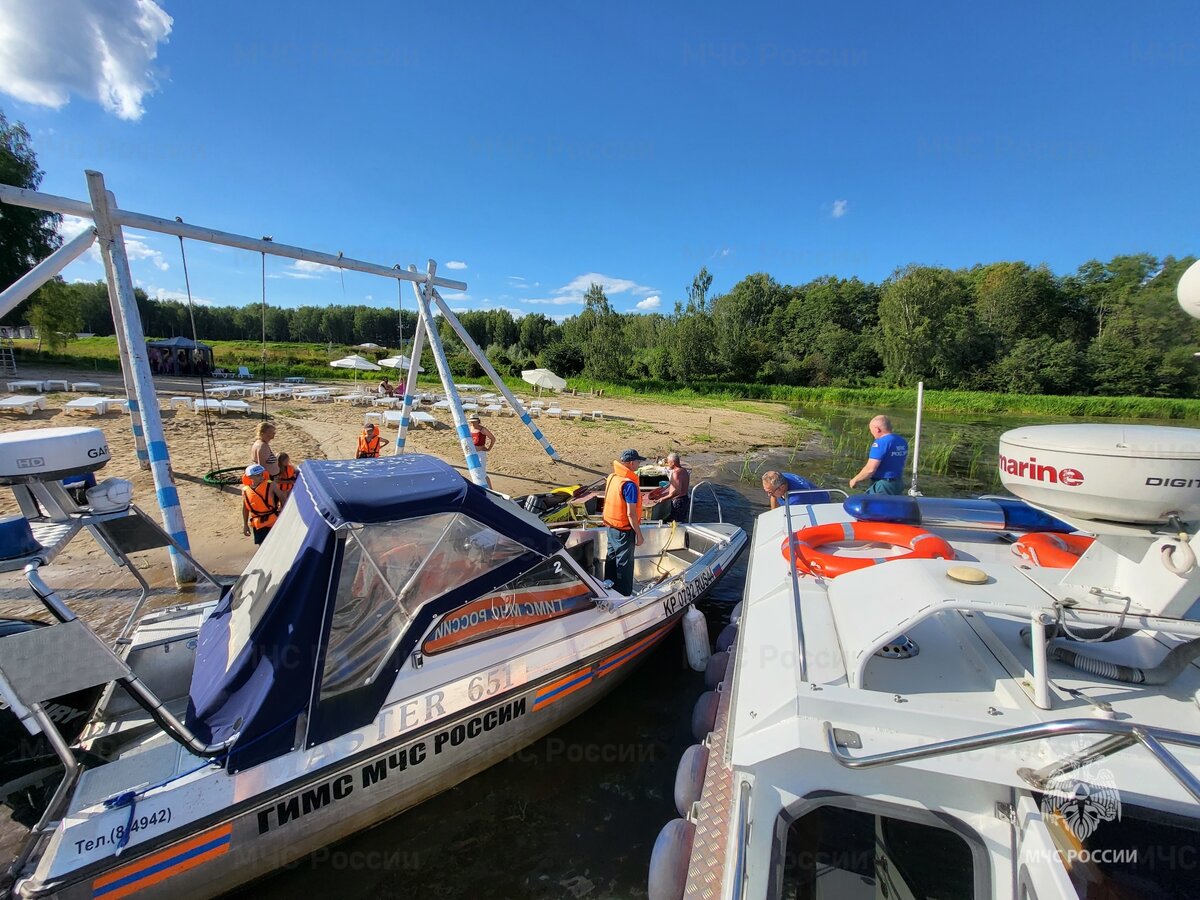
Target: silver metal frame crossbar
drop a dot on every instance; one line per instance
(1119, 736)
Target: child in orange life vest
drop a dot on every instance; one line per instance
(370, 443)
(286, 479)
(260, 504)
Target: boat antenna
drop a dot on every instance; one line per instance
(912, 488)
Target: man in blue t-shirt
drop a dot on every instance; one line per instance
(885, 460)
(780, 486)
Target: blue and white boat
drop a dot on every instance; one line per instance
(399, 630)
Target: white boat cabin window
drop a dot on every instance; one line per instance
(833, 853)
(547, 591)
(388, 572)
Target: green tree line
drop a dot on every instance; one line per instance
(1107, 329)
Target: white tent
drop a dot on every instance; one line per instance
(367, 346)
(544, 378)
(399, 362)
(357, 363)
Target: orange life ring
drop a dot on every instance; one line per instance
(1052, 550)
(920, 543)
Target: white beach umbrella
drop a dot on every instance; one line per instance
(367, 346)
(544, 378)
(399, 362)
(357, 363)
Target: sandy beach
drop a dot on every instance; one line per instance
(518, 465)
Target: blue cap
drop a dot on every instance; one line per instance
(628, 456)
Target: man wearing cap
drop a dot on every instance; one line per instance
(260, 503)
(623, 516)
(370, 443)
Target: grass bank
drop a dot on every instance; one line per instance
(312, 361)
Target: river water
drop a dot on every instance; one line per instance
(576, 814)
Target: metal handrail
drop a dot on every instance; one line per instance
(1127, 733)
(741, 828)
(712, 490)
(793, 551)
(134, 686)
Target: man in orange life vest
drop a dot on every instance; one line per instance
(370, 443)
(260, 503)
(623, 516)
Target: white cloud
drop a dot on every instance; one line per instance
(515, 278)
(135, 248)
(578, 286)
(650, 303)
(455, 264)
(305, 270)
(456, 296)
(839, 208)
(102, 50)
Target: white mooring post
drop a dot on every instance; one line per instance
(116, 264)
(439, 356)
(410, 384)
(483, 361)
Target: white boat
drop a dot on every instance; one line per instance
(399, 630)
(937, 703)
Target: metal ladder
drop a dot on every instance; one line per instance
(8, 357)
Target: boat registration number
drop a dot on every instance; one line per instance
(688, 593)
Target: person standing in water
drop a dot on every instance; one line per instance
(885, 459)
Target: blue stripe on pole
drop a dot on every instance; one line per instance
(167, 496)
(526, 419)
(408, 399)
(181, 538)
(137, 430)
(143, 456)
(537, 433)
(464, 432)
(405, 421)
(550, 449)
(133, 407)
(158, 451)
(472, 461)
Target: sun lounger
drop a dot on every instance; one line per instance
(351, 398)
(243, 372)
(235, 406)
(96, 405)
(597, 415)
(211, 405)
(492, 409)
(181, 403)
(25, 404)
(442, 404)
(294, 379)
(574, 414)
(375, 417)
(38, 386)
(423, 418)
(277, 393)
(84, 386)
(554, 411)
(57, 384)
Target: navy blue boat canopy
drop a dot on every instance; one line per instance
(363, 556)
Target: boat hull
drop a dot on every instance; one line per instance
(217, 855)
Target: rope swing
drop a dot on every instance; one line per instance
(214, 461)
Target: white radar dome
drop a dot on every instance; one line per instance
(50, 454)
(1135, 474)
(1188, 291)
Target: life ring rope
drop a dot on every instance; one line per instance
(811, 560)
(1051, 549)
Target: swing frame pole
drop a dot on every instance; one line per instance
(474, 469)
(487, 367)
(116, 264)
(410, 385)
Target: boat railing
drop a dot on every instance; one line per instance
(1117, 736)
(712, 490)
(793, 551)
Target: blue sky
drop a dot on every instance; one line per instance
(543, 146)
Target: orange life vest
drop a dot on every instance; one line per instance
(286, 479)
(368, 449)
(260, 504)
(616, 511)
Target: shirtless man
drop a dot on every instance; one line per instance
(680, 480)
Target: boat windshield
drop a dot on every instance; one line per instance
(388, 572)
